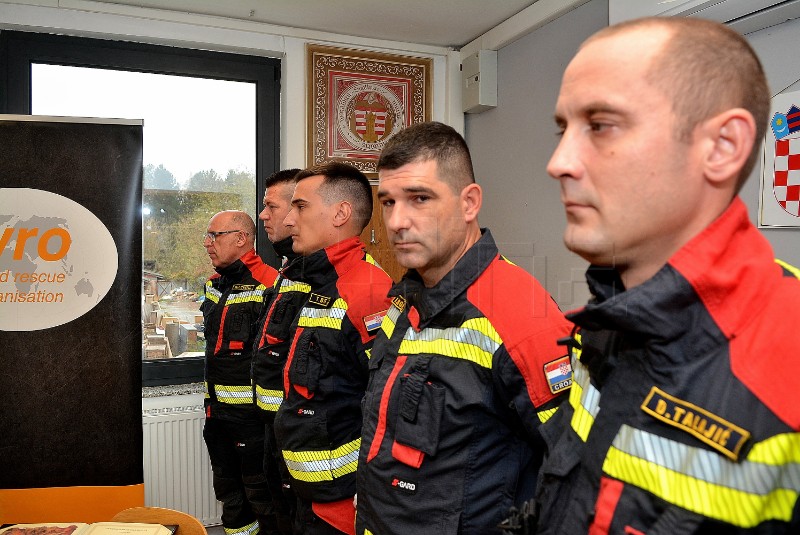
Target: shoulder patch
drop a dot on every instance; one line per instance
(709, 428)
(559, 374)
(321, 300)
(373, 321)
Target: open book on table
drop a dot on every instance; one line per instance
(98, 528)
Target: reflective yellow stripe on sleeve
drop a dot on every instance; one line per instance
(788, 267)
(234, 395)
(330, 318)
(249, 529)
(268, 400)
(389, 320)
(212, 294)
(584, 399)
(292, 286)
(546, 414)
(475, 340)
(763, 487)
(253, 296)
(316, 466)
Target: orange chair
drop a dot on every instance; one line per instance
(187, 524)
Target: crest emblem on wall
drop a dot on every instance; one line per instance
(779, 195)
(786, 166)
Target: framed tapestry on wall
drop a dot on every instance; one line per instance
(358, 100)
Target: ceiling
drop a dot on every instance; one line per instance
(447, 23)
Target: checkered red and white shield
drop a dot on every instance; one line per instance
(786, 180)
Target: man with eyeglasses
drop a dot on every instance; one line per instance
(234, 431)
(281, 306)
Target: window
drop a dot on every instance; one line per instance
(211, 128)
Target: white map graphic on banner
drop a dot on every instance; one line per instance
(57, 260)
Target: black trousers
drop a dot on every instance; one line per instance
(236, 452)
(279, 481)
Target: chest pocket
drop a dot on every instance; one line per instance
(279, 328)
(421, 405)
(559, 470)
(306, 367)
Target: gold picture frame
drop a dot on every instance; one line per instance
(357, 100)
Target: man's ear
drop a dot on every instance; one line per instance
(730, 137)
(344, 211)
(241, 239)
(471, 199)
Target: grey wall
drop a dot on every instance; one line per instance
(776, 46)
(512, 143)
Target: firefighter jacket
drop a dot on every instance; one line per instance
(233, 300)
(275, 329)
(684, 413)
(318, 424)
(461, 377)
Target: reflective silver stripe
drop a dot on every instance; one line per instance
(268, 399)
(235, 395)
(584, 399)
(294, 286)
(762, 488)
(249, 529)
(324, 317)
(315, 466)
(390, 320)
(474, 340)
(212, 293)
(337, 311)
(708, 466)
(591, 396)
(256, 295)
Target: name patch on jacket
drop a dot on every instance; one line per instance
(399, 303)
(321, 300)
(717, 432)
(559, 374)
(373, 321)
(243, 287)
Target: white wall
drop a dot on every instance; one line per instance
(512, 143)
(111, 21)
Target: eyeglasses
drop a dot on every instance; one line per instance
(213, 235)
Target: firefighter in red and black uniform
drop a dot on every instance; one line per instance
(233, 431)
(466, 365)
(318, 423)
(684, 414)
(281, 306)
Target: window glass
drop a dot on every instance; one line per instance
(199, 158)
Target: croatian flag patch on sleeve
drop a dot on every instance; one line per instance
(373, 321)
(559, 374)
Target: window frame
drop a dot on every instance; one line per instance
(19, 50)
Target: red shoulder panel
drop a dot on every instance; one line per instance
(766, 358)
(365, 288)
(262, 272)
(525, 317)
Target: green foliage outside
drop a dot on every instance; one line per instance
(177, 219)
